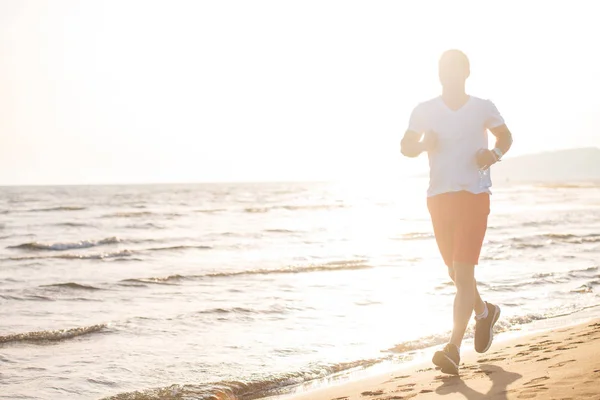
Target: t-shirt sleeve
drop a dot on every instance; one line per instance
(494, 118)
(417, 120)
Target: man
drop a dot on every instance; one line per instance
(452, 129)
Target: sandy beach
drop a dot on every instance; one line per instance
(559, 364)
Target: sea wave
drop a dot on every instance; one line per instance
(140, 214)
(502, 325)
(246, 390)
(129, 214)
(539, 223)
(56, 335)
(28, 298)
(68, 256)
(167, 280)
(210, 210)
(71, 285)
(60, 247)
(572, 238)
(584, 273)
(582, 185)
(548, 278)
(280, 230)
(72, 224)
(274, 309)
(548, 239)
(586, 288)
(314, 207)
(332, 266)
(82, 244)
(415, 236)
(60, 208)
(182, 247)
(147, 225)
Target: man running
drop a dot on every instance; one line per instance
(452, 129)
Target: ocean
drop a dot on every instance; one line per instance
(225, 291)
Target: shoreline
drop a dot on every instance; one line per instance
(554, 362)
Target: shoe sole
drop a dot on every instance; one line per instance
(496, 316)
(448, 366)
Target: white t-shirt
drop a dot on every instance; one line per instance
(461, 133)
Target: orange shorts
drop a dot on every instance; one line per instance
(459, 222)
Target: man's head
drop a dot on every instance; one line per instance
(454, 68)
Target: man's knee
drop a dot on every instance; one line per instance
(451, 273)
(464, 275)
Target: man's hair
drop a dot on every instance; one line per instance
(454, 63)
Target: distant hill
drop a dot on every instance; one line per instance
(572, 165)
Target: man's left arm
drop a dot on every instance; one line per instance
(503, 138)
(495, 124)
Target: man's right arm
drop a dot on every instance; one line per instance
(411, 145)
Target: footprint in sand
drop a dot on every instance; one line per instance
(537, 348)
(537, 380)
(561, 348)
(405, 388)
(521, 357)
(561, 364)
(548, 342)
(531, 392)
(483, 360)
(526, 395)
(371, 393)
(396, 378)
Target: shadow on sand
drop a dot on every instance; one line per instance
(500, 381)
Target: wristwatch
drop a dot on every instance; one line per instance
(498, 153)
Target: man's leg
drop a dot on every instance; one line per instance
(448, 359)
(466, 298)
(470, 232)
(478, 304)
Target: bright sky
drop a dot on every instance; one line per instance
(157, 91)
